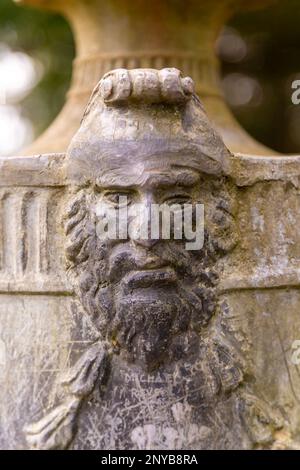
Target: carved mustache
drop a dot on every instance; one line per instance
(122, 261)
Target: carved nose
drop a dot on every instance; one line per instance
(141, 231)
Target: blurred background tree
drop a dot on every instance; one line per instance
(259, 52)
(36, 53)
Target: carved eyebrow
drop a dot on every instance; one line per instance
(106, 185)
(184, 178)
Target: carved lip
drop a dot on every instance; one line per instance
(150, 277)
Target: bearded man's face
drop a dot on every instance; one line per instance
(144, 293)
(141, 292)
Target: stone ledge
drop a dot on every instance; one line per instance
(36, 170)
(48, 169)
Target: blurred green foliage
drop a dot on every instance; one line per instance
(48, 39)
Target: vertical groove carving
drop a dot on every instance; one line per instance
(25, 224)
(42, 227)
(20, 228)
(11, 227)
(24, 244)
(30, 206)
(35, 207)
(87, 71)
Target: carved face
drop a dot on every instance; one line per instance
(144, 295)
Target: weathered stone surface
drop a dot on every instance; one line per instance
(116, 343)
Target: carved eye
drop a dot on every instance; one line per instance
(118, 199)
(179, 199)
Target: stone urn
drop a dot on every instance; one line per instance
(137, 342)
(121, 33)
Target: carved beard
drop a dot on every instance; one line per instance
(142, 321)
(190, 307)
(145, 327)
